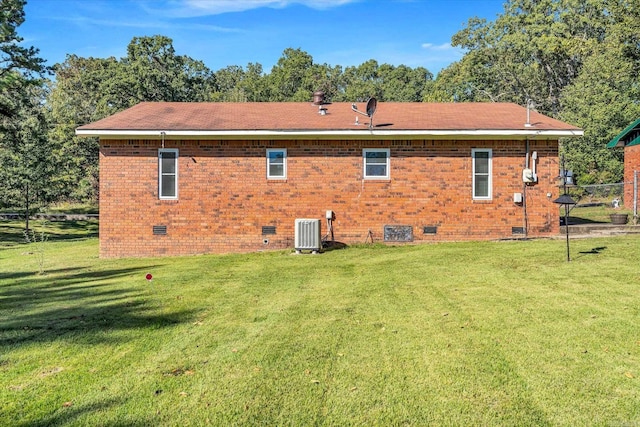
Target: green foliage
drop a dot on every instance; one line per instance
(384, 82)
(19, 65)
(291, 79)
(491, 333)
(605, 98)
(296, 77)
(25, 155)
(532, 51)
(578, 60)
(25, 165)
(88, 89)
(153, 72)
(14, 56)
(74, 99)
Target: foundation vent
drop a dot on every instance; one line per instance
(159, 230)
(430, 230)
(268, 229)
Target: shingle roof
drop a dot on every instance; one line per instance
(397, 118)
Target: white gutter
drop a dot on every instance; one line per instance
(330, 134)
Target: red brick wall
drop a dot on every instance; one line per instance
(631, 164)
(225, 197)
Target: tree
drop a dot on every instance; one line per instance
(24, 150)
(228, 84)
(19, 65)
(25, 154)
(289, 80)
(605, 97)
(235, 84)
(89, 89)
(404, 84)
(576, 59)
(454, 84)
(385, 82)
(362, 82)
(532, 51)
(155, 73)
(254, 83)
(73, 100)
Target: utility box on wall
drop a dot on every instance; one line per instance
(517, 198)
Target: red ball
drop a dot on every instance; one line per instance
(149, 276)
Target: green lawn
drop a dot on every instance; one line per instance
(582, 214)
(492, 333)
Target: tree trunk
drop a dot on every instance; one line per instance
(26, 200)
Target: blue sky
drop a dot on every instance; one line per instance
(235, 32)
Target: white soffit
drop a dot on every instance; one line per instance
(331, 134)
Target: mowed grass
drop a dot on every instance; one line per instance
(491, 333)
(599, 214)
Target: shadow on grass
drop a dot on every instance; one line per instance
(12, 232)
(70, 414)
(22, 274)
(576, 220)
(76, 229)
(80, 304)
(594, 251)
(332, 245)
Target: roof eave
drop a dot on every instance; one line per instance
(333, 134)
(618, 141)
(615, 143)
(634, 142)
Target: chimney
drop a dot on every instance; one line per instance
(318, 97)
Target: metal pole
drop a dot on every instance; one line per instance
(26, 203)
(635, 197)
(566, 207)
(566, 227)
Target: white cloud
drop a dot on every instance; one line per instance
(141, 24)
(216, 7)
(439, 47)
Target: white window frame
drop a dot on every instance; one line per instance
(387, 151)
(488, 174)
(161, 173)
(284, 163)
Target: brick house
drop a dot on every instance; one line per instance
(629, 139)
(187, 178)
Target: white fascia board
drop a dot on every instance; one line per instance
(331, 134)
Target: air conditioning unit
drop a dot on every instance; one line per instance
(307, 235)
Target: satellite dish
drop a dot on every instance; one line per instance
(371, 106)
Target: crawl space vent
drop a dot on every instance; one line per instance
(430, 230)
(159, 230)
(268, 229)
(398, 233)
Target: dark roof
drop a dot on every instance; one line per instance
(296, 118)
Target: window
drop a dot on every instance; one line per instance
(481, 173)
(168, 173)
(277, 163)
(376, 163)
